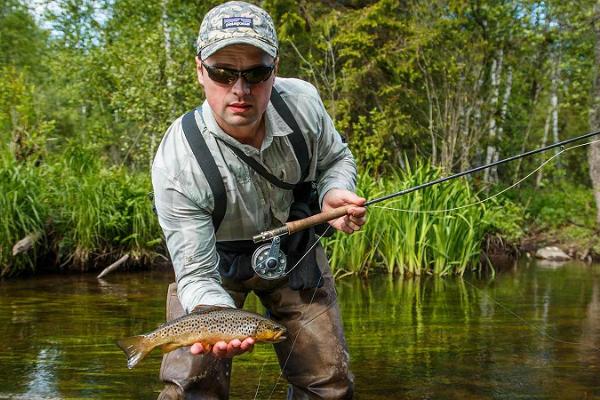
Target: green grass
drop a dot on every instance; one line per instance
(95, 213)
(425, 232)
(92, 213)
(22, 211)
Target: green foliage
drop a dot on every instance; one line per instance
(98, 209)
(20, 38)
(83, 106)
(563, 203)
(22, 211)
(91, 210)
(505, 218)
(438, 230)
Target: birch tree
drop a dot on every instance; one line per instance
(594, 119)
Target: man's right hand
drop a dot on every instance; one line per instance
(223, 349)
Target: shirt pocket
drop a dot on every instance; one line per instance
(240, 174)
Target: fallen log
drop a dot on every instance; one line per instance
(26, 244)
(113, 266)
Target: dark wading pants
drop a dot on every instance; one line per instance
(318, 367)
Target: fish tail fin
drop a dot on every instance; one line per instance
(136, 348)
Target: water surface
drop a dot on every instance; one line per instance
(529, 333)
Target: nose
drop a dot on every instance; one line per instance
(241, 87)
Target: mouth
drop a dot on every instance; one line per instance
(280, 336)
(239, 107)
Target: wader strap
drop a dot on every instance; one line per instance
(208, 166)
(295, 138)
(259, 168)
(211, 171)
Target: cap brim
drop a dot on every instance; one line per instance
(213, 48)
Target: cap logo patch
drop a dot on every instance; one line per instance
(237, 22)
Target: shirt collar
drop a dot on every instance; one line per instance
(275, 126)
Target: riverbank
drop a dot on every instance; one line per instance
(578, 242)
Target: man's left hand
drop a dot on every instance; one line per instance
(356, 216)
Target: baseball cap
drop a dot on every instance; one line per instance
(236, 22)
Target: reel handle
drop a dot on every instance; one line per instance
(301, 224)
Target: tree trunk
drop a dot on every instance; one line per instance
(554, 102)
(540, 173)
(594, 149)
(503, 112)
(495, 74)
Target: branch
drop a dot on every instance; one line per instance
(26, 244)
(113, 266)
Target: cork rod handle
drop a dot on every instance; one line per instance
(301, 224)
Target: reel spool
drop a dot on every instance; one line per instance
(268, 261)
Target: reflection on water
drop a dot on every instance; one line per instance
(531, 333)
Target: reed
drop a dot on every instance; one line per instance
(101, 210)
(88, 213)
(413, 234)
(22, 212)
(97, 212)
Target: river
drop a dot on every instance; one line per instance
(531, 332)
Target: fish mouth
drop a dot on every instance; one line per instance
(280, 336)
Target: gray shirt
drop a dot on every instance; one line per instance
(184, 200)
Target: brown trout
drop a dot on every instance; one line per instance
(207, 325)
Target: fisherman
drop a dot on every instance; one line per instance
(242, 163)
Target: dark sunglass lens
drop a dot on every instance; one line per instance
(258, 74)
(228, 76)
(221, 75)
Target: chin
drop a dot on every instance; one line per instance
(239, 121)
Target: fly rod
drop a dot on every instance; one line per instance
(299, 225)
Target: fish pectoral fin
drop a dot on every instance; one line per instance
(169, 347)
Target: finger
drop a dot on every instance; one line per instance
(220, 349)
(197, 348)
(357, 212)
(340, 225)
(359, 221)
(247, 344)
(233, 347)
(352, 226)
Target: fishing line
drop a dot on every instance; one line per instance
(505, 308)
(532, 326)
(309, 303)
(492, 196)
(300, 331)
(260, 378)
(308, 251)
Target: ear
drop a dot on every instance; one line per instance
(200, 71)
(276, 62)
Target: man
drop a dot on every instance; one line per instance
(207, 234)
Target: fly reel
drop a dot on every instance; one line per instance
(269, 261)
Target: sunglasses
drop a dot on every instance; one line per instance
(230, 76)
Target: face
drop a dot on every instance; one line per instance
(238, 107)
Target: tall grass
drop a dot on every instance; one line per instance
(95, 213)
(22, 211)
(100, 209)
(415, 234)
